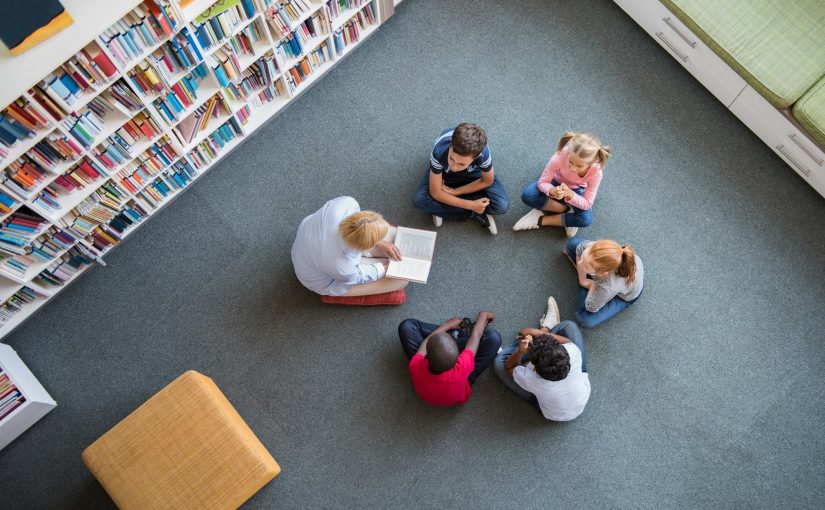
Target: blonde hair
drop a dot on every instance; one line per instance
(362, 230)
(585, 146)
(608, 256)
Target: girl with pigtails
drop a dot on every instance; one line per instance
(564, 193)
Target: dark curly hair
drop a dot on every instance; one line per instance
(549, 358)
(468, 139)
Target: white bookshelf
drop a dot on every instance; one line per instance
(91, 18)
(38, 402)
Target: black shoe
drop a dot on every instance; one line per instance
(481, 219)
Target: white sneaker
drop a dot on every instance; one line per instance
(571, 231)
(437, 220)
(492, 228)
(529, 221)
(551, 317)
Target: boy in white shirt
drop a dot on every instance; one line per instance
(547, 366)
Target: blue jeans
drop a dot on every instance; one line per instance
(567, 329)
(499, 203)
(537, 200)
(412, 332)
(585, 318)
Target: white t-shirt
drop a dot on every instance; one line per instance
(559, 400)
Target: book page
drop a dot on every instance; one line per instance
(417, 244)
(409, 269)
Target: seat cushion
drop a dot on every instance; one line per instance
(810, 111)
(186, 447)
(777, 47)
(397, 297)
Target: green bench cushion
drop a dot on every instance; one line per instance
(777, 46)
(810, 111)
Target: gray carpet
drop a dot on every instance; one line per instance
(706, 393)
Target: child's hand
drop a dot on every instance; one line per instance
(480, 204)
(524, 343)
(485, 315)
(565, 192)
(448, 190)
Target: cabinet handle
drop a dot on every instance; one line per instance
(679, 33)
(805, 149)
(664, 40)
(781, 148)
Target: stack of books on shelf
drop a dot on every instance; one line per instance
(350, 32)
(20, 121)
(80, 176)
(181, 95)
(309, 64)
(243, 44)
(18, 231)
(24, 176)
(187, 129)
(177, 55)
(145, 79)
(337, 8)
(61, 271)
(117, 149)
(14, 304)
(295, 43)
(54, 150)
(282, 14)
(139, 31)
(179, 175)
(226, 65)
(85, 128)
(209, 149)
(51, 243)
(221, 20)
(10, 396)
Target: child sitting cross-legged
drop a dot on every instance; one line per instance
(445, 360)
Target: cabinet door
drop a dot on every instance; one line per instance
(722, 81)
(783, 136)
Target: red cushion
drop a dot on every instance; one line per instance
(396, 297)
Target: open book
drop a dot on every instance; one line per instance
(416, 248)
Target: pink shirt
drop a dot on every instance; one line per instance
(557, 168)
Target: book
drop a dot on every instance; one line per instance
(417, 248)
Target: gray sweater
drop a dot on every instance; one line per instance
(611, 284)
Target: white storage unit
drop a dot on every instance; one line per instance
(38, 402)
(774, 127)
(783, 136)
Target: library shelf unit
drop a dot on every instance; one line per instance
(36, 401)
(115, 116)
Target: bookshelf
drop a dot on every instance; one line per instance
(106, 123)
(23, 400)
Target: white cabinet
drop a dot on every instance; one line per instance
(782, 135)
(722, 81)
(37, 404)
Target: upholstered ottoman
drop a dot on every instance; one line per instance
(186, 447)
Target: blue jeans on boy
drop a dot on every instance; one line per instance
(585, 318)
(537, 200)
(412, 332)
(567, 329)
(499, 203)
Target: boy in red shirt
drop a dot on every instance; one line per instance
(445, 360)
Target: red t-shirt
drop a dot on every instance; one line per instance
(448, 388)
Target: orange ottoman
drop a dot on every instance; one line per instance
(186, 447)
